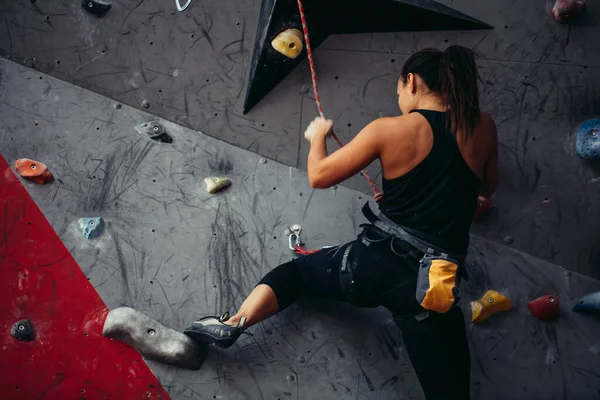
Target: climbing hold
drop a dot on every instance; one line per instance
(507, 240)
(91, 227)
(145, 104)
(567, 10)
(33, 170)
(153, 340)
(483, 206)
(214, 184)
(262, 161)
(155, 131)
(304, 89)
(588, 304)
(96, 7)
(491, 303)
(588, 139)
(22, 331)
(289, 43)
(544, 308)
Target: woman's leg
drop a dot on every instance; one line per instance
(439, 352)
(316, 273)
(258, 306)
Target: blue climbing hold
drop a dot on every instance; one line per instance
(589, 304)
(588, 139)
(91, 227)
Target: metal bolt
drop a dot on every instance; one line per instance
(551, 299)
(151, 332)
(33, 166)
(490, 300)
(90, 4)
(21, 327)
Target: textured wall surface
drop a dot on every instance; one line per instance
(176, 253)
(539, 80)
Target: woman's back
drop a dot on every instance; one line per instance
(431, 180)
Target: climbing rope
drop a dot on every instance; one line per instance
(313, 74)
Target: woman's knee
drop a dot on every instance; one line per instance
(286, 282)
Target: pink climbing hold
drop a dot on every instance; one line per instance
(544, 308)
(567, 10)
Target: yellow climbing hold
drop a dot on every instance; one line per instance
(491, 303)
(214, 184)
(289, 43)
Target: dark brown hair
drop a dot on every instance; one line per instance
(453, 75)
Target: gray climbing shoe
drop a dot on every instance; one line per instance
(214, 330)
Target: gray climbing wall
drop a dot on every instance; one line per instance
(539, 80)
(174, 252)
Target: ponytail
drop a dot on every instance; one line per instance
(458, 87)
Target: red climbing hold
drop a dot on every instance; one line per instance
(544, 308)
(33, 170)
(567, 10)
(483, 206)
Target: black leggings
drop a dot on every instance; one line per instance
(380, 270)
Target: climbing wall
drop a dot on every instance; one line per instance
(174, 252)
(540, 79)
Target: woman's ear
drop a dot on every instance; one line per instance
(411, 81)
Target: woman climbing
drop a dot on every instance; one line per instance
(437, 158)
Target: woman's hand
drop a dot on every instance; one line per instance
(319, 127)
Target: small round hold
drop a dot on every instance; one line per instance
(145, 104)
(262, 161)
(508, 240)
(301, 359)
(22, 331)
(490, 300)
(290, 378)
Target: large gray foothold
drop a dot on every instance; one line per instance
(152, 339)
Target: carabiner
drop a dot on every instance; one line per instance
(294, 236)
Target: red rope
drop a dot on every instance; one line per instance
(313, 74)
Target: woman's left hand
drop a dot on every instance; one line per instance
(319, 127)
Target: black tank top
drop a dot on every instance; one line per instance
(436, 200)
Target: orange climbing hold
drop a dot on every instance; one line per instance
(33, 170)
(544, 308)
(491, 303)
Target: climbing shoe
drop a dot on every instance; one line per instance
(214, 330)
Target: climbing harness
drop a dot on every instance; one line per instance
(313, 74)
(180, 7)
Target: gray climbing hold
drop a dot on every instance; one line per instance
(304, 89)
(145, 104)
(588, 139)
(155, 131)
(301, 359)
(22, 331)
(589, 304)
(153, 340)
(91, 227)
(262, 161)
(96, 7)
(508, 240)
